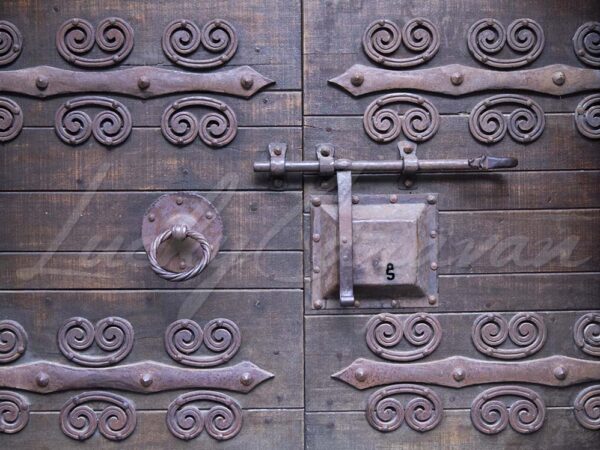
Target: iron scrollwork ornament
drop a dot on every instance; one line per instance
(383, 37)
(115, 422)
(487, 37)
(587, 408)
(112, 335)
(525, 330)
(525, 415)
(586, 333)
(489, 125)
(183, 37)
(383, 123)
(110, 127)
(222, 421)
(586, 43)
(13, 341)
(11, 42)
(184, 337)
(421, 330)
(216, 128)
(587, 116)
(386, 413)
(11, 120)
(14, 412)
(76, 37)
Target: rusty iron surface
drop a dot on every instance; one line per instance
(76, 37)
(189, 414)
(183, 37)
(45, 377)
(12, 42)
(456, 79)
(527, 331)
(13, 341)
(140, 82)
(585, 43)
(458, 372)
(14, 412)
(587, 408)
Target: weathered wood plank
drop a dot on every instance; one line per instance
(265, 342)
(325, 431)
(112, 221)
(38, 160)
(334, 342)
(261, 429)
(560, 147)
(269, 32)
(124, 270)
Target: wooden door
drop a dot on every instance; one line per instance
(121, 123)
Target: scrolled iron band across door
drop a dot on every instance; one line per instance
(586, 333)
(525, 330)
(14, 412)
(587, 116)
(487, 37)
(586, 43)
(183, 37)
(383, 37)
(110, 127)
(76, 37)
(115, 422)
(112, 335)
(524, 124)
(184, 337)
(11, 42)
(386, 413)
(222, 421)
(384, 124)
(421, 330)
(525, 415)
(587, 408)
(11, 119)
(13, 341)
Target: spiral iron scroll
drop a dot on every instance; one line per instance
(222, 421)
(383, 37)
(13, 341)
(110, 127)
(384, 123)
(14, 412)
(487, 37)
(421, 330)
(11, 120)
(586, 43)
(587, 408)
(11, 42)
(386, 413)
(183, 37)
(113, 335)
(216, 128)
(184, 337)
(76, 37)
(587, 116)
(525, 415)
(525, 330)
(115, 422)
(489, 125)
(586, 333)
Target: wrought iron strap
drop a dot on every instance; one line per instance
(456, 79)
(458, 371)
(141, 82)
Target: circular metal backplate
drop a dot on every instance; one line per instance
(191, 210)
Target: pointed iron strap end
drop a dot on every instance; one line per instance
(493, 162)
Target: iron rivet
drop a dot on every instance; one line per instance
(41, 82)
(360, 374)
(434, 266)
(246, 379)
(247, 82)
(432, 299)
(459, 374)
(394, 303)
(42, 379)
(319, 304)
(433, 234)
(316, 201)
(559, 78)
(143, 82)
(146, 380)
(393, 198)
(151, 218)
(316, 237)
(431, 199)
(408, 183)
(316, 269)
(209, 215)
(182, 264)
(356, 304)
(408, 149)
(355, 199)
(179, 200)
(457, 78)
(357, 79)
(344, 240)
(560, 373)
(277, 151)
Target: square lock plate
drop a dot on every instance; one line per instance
(395, 251)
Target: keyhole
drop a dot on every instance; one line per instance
(389, 271)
